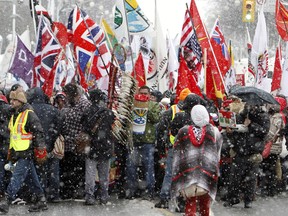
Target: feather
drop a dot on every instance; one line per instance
(122, 128)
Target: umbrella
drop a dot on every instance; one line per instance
(252, 95)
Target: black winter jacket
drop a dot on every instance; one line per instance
(34, 126)
(49, 116)
(102, 140)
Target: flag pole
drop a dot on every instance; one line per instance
(35, 18)
(205, 69)
(93, 39)
(210, 45)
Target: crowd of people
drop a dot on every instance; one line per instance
(182, 155)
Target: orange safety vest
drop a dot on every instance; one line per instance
(19, 139)
(175, 109)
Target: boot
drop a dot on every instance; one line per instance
(4, 204)
(40, 205)
(163, 203)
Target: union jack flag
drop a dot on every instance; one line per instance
(85, 35)
(47, 50)
(218, 36)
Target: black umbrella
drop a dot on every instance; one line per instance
(252, 95)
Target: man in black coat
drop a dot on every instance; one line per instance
(97, 122)
(247, 144)
(50, 120)
(4, 140)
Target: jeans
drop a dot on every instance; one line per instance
(146, 153)
(2, 174)
(24, 168)
(166, 185)
(91, 167)
(53, 178)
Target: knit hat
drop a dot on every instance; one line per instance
(200, 116)
(18, 95)
(97, 95)
(184, 93)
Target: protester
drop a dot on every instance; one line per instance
(101, 149)
(144, 148)
(4, 140)
(60, 100)
(26, 143)
(165, 140)
(73, 164)
(50, 121)
(196, 156)
(247, 144)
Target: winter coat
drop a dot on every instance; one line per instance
(48, 115)
(4, 131)
(149, 136)
(102, 143)
(196, 165)
(181, 119)
(72, 124)
(163, 130)
(276, 126)
(34, 126)
(252, 141)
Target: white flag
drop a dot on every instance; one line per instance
(173, 65)
(161, 56)
(259, 55)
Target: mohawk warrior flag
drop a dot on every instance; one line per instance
(22, 63)
(86, 37)
(47, 49)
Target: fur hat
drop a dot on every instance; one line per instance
(18, 95)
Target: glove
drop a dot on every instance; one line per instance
(232, 153)
(40, 155)
(256, 158)
(242, 128)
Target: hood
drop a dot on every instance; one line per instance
(191, 100)
(36, 95)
